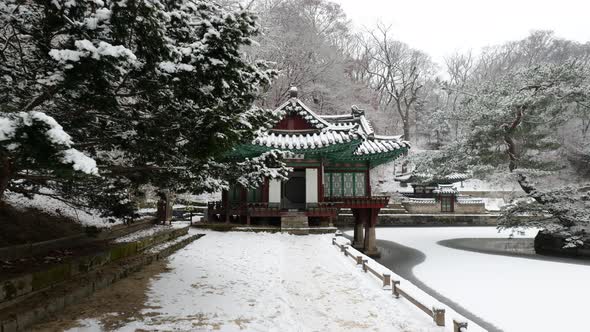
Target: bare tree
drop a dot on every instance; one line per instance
(459, 69)
(396, 72)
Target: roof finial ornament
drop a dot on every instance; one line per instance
(356, 111)
(293, 91)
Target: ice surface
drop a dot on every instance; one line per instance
(513, 293)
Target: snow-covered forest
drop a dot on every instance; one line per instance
(102, 99)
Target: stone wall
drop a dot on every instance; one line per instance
(47, 303)
(470, 208)
(12, 289)
(40, 248)
(422, 208)
(425, 220)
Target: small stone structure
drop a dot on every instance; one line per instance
(445, 199)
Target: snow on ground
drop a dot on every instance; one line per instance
(269, 282)
(148, 232)
(58, 208)
(515, 294)
(493, 204)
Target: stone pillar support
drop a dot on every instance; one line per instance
(370, 243)
(358, 240)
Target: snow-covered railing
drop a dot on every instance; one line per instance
(419, 200)
(410, 292)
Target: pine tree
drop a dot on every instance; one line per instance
(130, 92)
(512, 130)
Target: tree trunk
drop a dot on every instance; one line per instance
(5, 174)
(406, 129)
(523, 181)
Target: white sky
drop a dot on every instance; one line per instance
(443, 27)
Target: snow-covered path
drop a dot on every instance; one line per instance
(269, 282)
(514, 294)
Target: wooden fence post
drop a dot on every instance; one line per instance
(359, 260)
(438, 315)
(459, 326)
(365, 265)
(394, 288)
(386, 280)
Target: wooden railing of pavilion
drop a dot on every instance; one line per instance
(265, 209)
(360, 202)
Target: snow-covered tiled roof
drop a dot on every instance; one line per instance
(304, 141)
(445, 189)
(371, 146)
(424, 178)
(296, 106)
(329, 130)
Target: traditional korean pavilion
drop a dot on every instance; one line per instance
(331, 157)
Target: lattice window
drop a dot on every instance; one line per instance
(337, 184)
(234, 192)
(348, 184)
(255, 195)
(359, 184)
(327, 184)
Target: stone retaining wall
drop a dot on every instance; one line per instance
(422, 207)
(40, 248)
(470, 208)
(425, 220)
(55, 299)
(12, 290)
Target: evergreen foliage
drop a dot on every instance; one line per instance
(135, 91)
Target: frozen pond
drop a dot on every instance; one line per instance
(512, 293)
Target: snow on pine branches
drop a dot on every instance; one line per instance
(24, 130)
(511, 124)
(154, 92)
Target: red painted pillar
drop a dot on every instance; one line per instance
(265, 191)
(225, 206)
(243, 207)
(321, 182)
(368, 180)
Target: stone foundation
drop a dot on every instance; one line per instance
(296, 224)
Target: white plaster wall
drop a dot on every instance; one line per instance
(311, 185)
(274, 191)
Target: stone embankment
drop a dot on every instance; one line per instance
(33, 296)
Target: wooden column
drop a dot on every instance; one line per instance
(265, 191)
(225, 206)
(243, 204)
(368, 177)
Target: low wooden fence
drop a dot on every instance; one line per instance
(435, 312)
